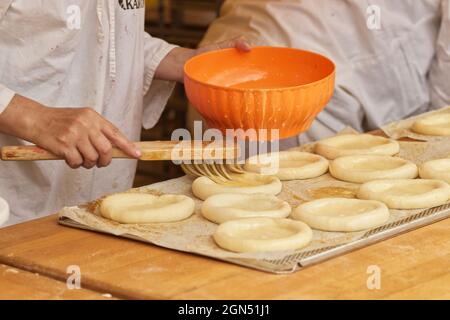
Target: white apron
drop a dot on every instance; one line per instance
(77, 53)
(383, 75)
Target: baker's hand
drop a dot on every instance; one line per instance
(239, 43)
(171, 67)
(79, 135)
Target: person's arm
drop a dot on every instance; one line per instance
(171, 67)
(163, 65)
(80, 135)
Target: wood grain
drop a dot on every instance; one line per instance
(151, 151)
(414, 265)
(17, 284)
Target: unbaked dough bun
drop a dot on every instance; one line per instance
(434, 125)
(262, 235)
(436, 169)
(356, 144)
(204, 187)
(342, 214)
(406, 193)
(288, 165)
(232, 206)
(360, 169)
(146, 208)
(4, 211)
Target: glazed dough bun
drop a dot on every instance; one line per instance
(341, 214)
(224, 207)
(288, 165)
(434, 125)
(204, 187)
(356, 144)
(262, 235)
(406, 193)
(146, 208)
(436, 169)
(360, 169)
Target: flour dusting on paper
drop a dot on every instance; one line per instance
(195, 233)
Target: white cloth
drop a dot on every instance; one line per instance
(382, 75)
(108, 63)
(6, 95)
(440, 69)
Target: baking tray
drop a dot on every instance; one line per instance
(294, 262)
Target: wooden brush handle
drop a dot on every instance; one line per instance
(151, 150)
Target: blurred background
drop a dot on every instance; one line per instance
(182, 22)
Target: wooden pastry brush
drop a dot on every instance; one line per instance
(158, 150)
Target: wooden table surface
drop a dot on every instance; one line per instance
(412, 265)
(18, 284)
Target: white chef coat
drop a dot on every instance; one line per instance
(383, 75)
(108, 63)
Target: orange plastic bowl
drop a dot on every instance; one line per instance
(267, 88)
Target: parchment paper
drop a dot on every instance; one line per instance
(194, 234)
(402, 129)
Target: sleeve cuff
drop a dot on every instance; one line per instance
(155, 51)
(156, 92)
(6, 95)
